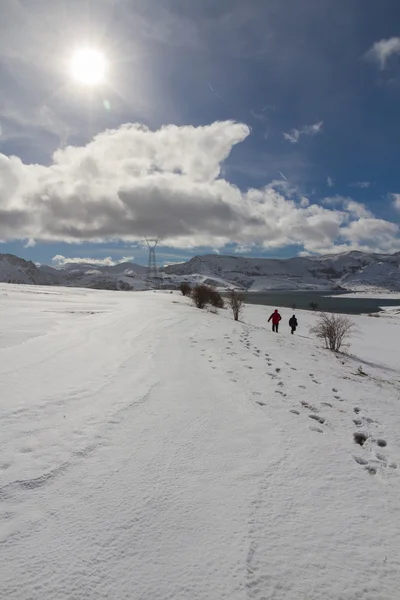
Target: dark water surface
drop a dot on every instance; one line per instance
(301, 300)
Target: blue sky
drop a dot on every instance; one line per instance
(265, 128)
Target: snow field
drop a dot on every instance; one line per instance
(150, 450)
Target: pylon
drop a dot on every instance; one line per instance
(152, 268)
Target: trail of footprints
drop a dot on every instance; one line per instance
(373, 461)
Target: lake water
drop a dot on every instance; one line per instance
(301, 300)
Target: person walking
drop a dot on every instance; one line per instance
(275, 317)
(293, 324)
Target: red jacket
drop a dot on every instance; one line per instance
(276, 317)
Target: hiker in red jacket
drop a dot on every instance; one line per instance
(276, 317)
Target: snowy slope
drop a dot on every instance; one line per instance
(151, 451)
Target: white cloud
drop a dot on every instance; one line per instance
(30, 243)
(294, 135)
(360, 184)
(381, 51)
(396, 200)
(59, 260)
(131, 182)
(330, 181)
(350, 207)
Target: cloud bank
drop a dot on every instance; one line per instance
(131, 182)
(59, 260)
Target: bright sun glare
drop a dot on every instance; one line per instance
(88, 66)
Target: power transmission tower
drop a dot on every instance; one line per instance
(152, 268)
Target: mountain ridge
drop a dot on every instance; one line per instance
(353, 270)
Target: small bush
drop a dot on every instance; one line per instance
(333, 329)
(124, 286)
(200, 295)
(215, 298)
(313, 305)
(185, 288)
(205, 294)
(235, 302)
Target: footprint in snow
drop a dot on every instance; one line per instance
(334, 390)
(315, 381)
(294, 411)
(309, 406)
(260, 403)
(320, 420)
(279, 392)
(371, 466)
(302, 386)
(360, 438)
(317, 429)
(326, 404)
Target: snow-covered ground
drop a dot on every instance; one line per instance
(152, 451)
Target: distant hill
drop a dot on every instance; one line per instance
(350, 271)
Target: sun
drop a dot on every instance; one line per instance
(89, 66)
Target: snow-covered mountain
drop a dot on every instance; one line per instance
(122, 276)
(18, 270)
(351, 271)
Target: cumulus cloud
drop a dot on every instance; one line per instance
(131, 182)
(294, 135)
(59, 260)
(381, 51)
(350, 207)
(396, 201)
(330, 181)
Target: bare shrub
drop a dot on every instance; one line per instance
(215, 298)
(333, 329)
(203, 294)
(185, 288)
(124, 286)
(200, 295)
(235, 302)
(313, 305)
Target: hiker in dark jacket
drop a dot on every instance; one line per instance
(275, 317)
(293, 324)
